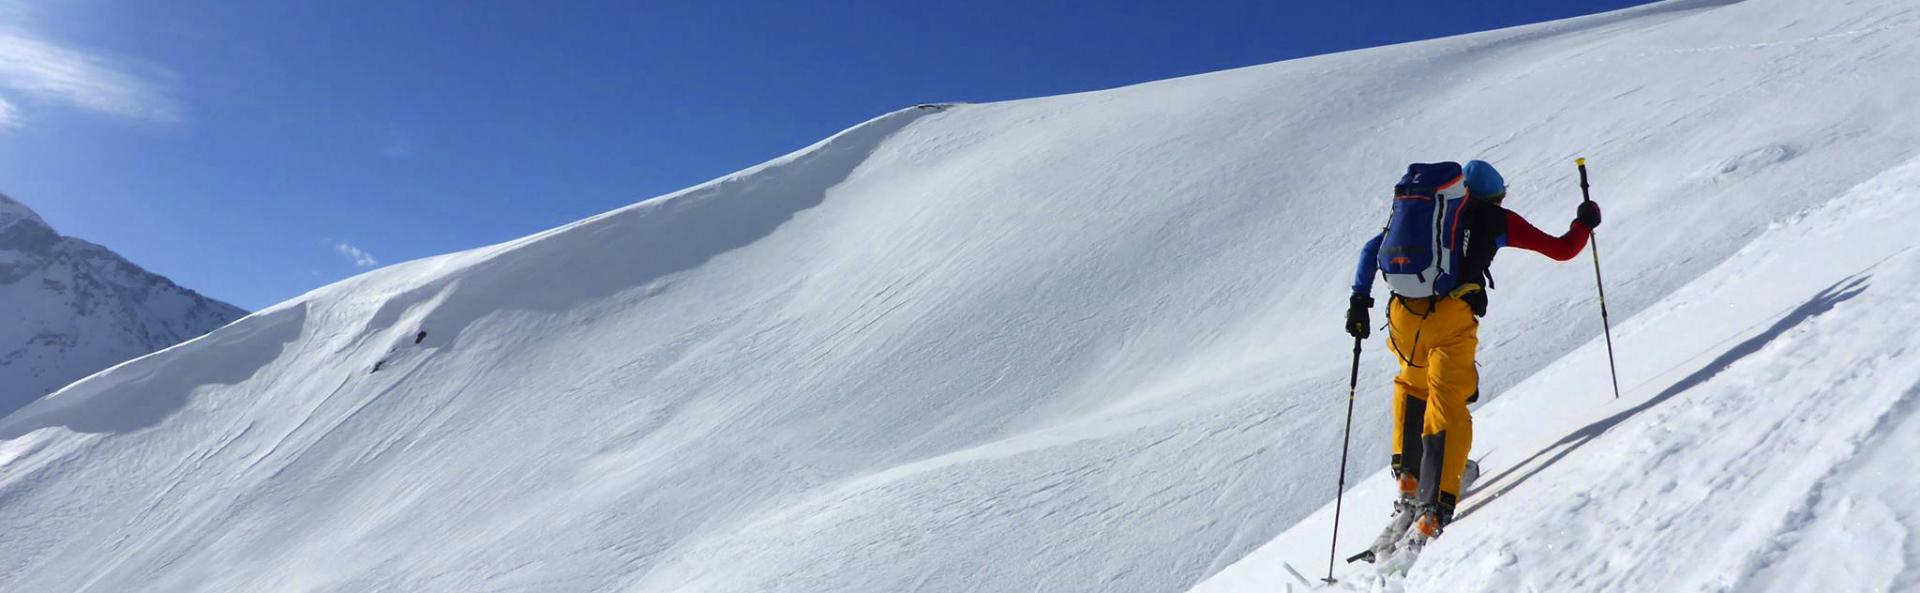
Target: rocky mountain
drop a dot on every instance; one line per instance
(69, 308)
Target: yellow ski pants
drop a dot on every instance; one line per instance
(1435, 342)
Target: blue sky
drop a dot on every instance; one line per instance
(256, 150)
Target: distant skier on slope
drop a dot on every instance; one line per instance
(1435, 253)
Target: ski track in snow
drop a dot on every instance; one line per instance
(1082, 343)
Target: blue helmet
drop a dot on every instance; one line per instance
(1484, 182)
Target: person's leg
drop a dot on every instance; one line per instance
(1447, 434)
(1409, 417)
(1409, 389)
(1409, 420)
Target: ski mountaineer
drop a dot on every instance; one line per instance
(1435, 254)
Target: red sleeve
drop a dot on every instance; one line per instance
(1522, 234)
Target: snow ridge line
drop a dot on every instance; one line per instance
(638, 244)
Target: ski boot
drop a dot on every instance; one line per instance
(1405, 510)
(1433, 519)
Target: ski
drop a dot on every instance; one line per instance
(1403, 557)
(1387, 545)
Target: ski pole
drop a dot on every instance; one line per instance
(1604, 323)
(1346, 438)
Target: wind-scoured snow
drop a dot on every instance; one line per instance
(1077, 343)
(69, 308)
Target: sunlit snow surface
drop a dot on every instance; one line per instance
(1082, 343)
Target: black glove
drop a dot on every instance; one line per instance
(1477, 301)
(1588, 214)
(1357, 324)
(1474, 296)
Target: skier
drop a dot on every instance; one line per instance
(1432, 319)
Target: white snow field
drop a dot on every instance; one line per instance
(1085, 343)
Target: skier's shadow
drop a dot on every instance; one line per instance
(1821, 303)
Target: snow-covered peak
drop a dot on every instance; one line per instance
(69, 308)
(12, 211)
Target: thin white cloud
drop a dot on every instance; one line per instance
(9, 116)
(50, 72)
(359, 257)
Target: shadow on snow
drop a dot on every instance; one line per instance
(1821, 303)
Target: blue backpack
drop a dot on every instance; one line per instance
(1419, 251)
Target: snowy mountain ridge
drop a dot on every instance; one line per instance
(13, 212)
(72, 308)
(1076, 343)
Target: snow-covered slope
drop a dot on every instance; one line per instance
(1078, 343)
(1761, 444)
(69, 308)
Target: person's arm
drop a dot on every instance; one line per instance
(1369, 266)
(1524, 235)
(1358, 324)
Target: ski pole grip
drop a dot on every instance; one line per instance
(1582, 163)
